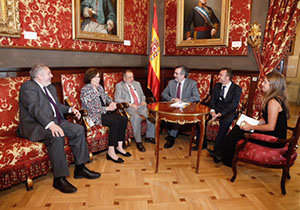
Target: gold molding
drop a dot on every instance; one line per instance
(9, 18)
(224, 28)
(78, 33)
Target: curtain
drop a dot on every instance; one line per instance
(281, 24)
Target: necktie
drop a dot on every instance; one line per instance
(178, 90)
(222, 92)
(57, 113)
(135, 98)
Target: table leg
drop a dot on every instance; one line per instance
(157, 130)
(202, 131)
(192, 138)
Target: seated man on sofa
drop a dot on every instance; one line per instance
(179, 89)
(130, 91)
(41, 119)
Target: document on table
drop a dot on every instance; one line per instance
(180, 104)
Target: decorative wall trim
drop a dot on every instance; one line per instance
(9, 18)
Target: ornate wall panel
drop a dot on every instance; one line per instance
(239, 25)
(52, 20)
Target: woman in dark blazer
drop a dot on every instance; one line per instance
(100, 109)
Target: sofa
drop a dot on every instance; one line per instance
(20, 159)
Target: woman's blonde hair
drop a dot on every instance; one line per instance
(277, 89)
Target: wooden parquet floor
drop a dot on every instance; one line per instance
(134, 185)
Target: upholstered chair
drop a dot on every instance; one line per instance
(281, 158)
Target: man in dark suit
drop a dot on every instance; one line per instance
(179, 89)
(41, 119)
(224, 102)
(130, 91)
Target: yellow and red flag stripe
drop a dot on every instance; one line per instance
(154, 60)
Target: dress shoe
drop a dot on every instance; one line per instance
(150, 140)
(85, 173)
(127, 154)
(119, 160)
(168, 137)
(195, 148)
(63, 185)
(217, 160)
(211, 153)
(170, 143)
(140, 147)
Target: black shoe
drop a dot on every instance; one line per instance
(168, 137)
(140, 147)
(217, 159)
(85, 173)
(63, 185)
(170, 143)
(150, 140)
(211, 152)
(127, 154)
(195, 148)
(119, 160)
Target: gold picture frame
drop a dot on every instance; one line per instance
(9, 18)
(223, 7)
(98, 32)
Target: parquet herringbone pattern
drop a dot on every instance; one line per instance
(134, 185)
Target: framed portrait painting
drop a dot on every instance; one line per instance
(202, 23)
(9, 18)
(100, 20)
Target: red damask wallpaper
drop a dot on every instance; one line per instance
(239, 25)
(52, 20)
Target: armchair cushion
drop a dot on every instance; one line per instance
(258, 154)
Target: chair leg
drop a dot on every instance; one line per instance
(29, 184)
(285, 171)
(288, 176)
(234, 169)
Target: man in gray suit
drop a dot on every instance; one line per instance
(130, 91)
(42, 120)
(179, 89)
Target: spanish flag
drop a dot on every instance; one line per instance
(154, 60)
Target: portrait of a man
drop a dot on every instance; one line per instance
(201, 22)
(99, 16)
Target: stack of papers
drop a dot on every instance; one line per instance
(247, 119)
(180, 104)
(250, 120)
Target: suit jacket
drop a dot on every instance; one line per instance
(190, 92)
(231, 101)
(91, 102)
(35, 110)
(122, 93)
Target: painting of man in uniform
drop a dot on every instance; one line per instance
(201, 19)
(99, 16)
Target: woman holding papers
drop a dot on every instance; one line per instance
(273, 122)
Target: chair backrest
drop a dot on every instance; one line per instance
(9, 104)
(109, 82)
(296, 133)
(71, 86)
(244, 82)
(203, 83)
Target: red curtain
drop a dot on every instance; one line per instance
(281, 24)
